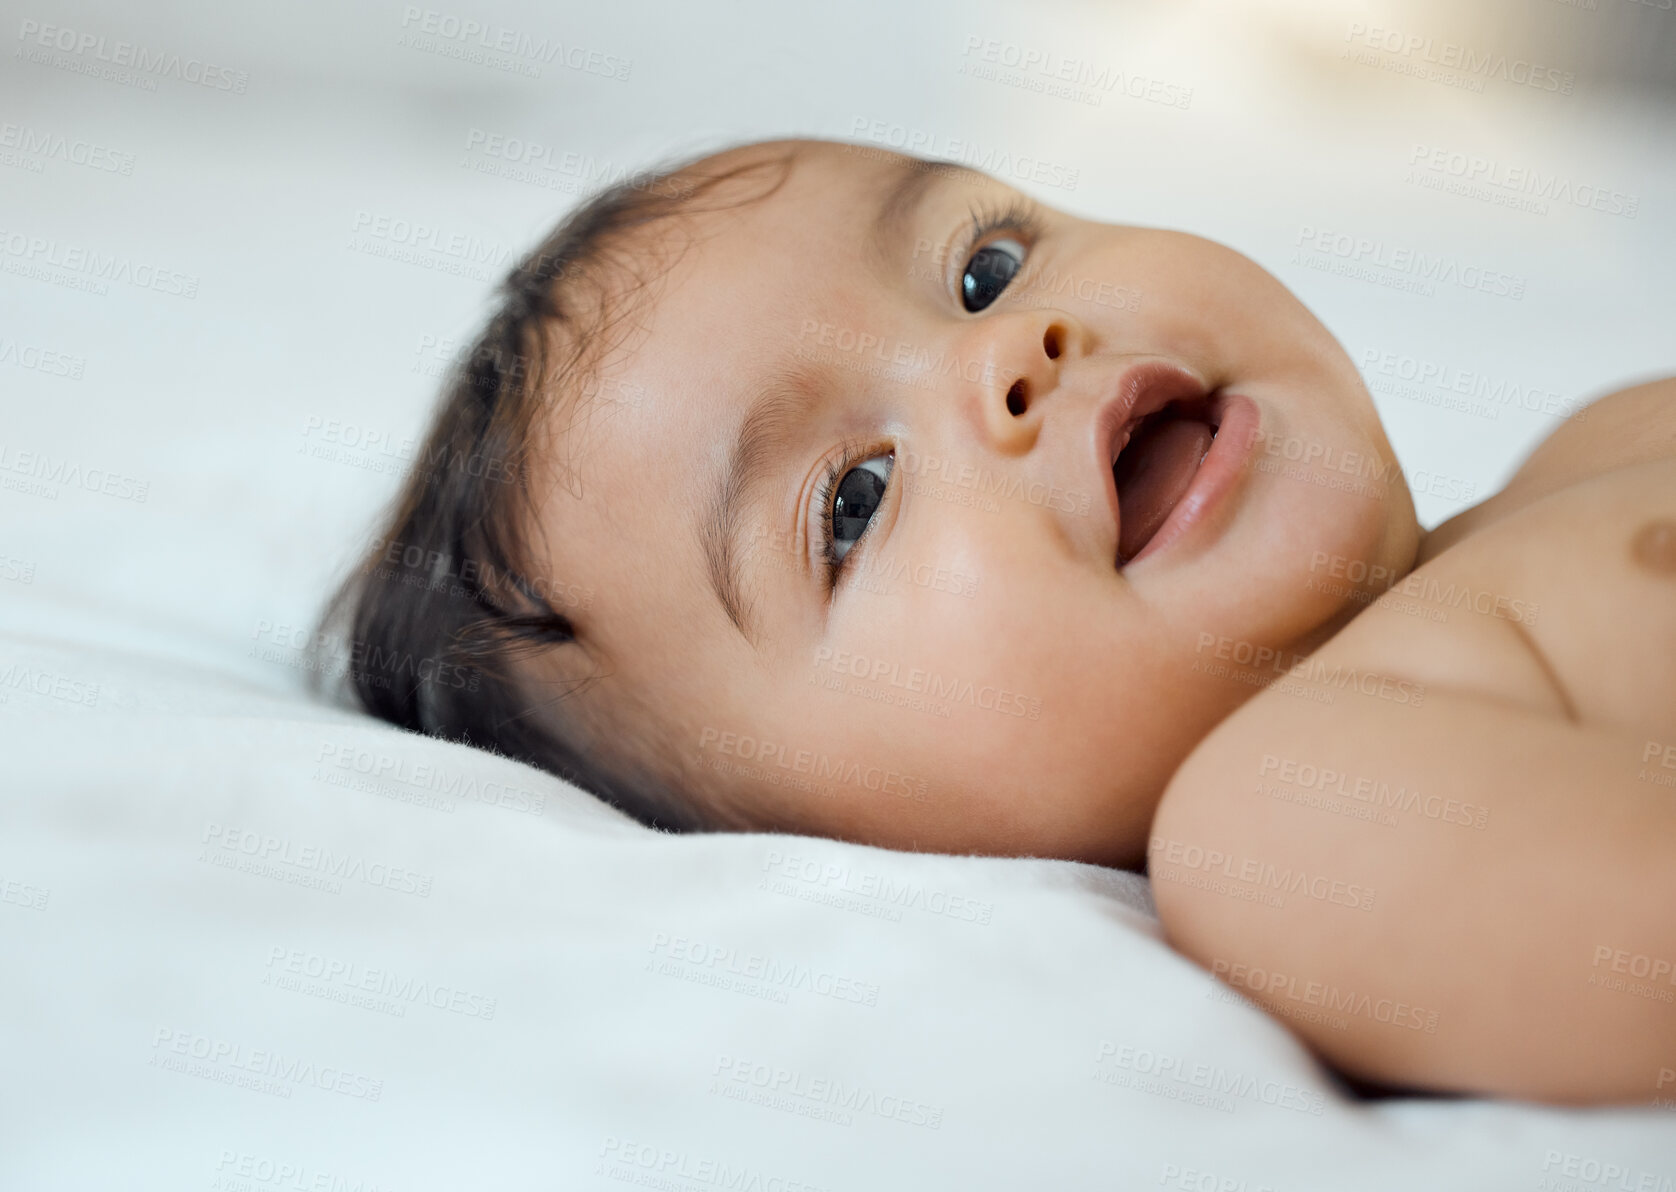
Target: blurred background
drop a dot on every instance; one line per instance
(238, 247)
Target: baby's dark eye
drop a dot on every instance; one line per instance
(989, 271)
(859, 492)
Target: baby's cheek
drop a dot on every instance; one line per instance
(946, 754)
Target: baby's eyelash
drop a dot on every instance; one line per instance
(850, 453)
(1017, 214)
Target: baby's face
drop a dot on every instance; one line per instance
(1015, 650)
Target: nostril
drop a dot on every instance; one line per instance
(1050, 343)
(1015, 399)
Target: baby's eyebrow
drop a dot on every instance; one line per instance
(769, 427)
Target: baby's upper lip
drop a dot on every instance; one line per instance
(1144, 388)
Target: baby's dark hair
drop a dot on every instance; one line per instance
(449, 596)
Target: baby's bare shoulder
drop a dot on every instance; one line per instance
(1564, 605)
(1627, 427)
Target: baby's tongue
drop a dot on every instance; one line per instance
(1152, 474)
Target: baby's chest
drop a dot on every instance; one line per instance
(1567, 605)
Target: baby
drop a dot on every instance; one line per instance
(812, 488)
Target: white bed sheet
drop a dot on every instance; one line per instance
(251, 939)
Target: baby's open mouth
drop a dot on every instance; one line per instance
(1158, 456)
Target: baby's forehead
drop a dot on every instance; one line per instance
(721, 295)
(715, 306)
(714, 280)
(814, 194)
(837, 217)
(819, 184)
(725, 294)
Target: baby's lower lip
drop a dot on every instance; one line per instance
(1220, 472)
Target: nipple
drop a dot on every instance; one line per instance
(1654, 547)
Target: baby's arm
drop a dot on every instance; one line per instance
(1493, 959)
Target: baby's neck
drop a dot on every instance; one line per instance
(1426, 547)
